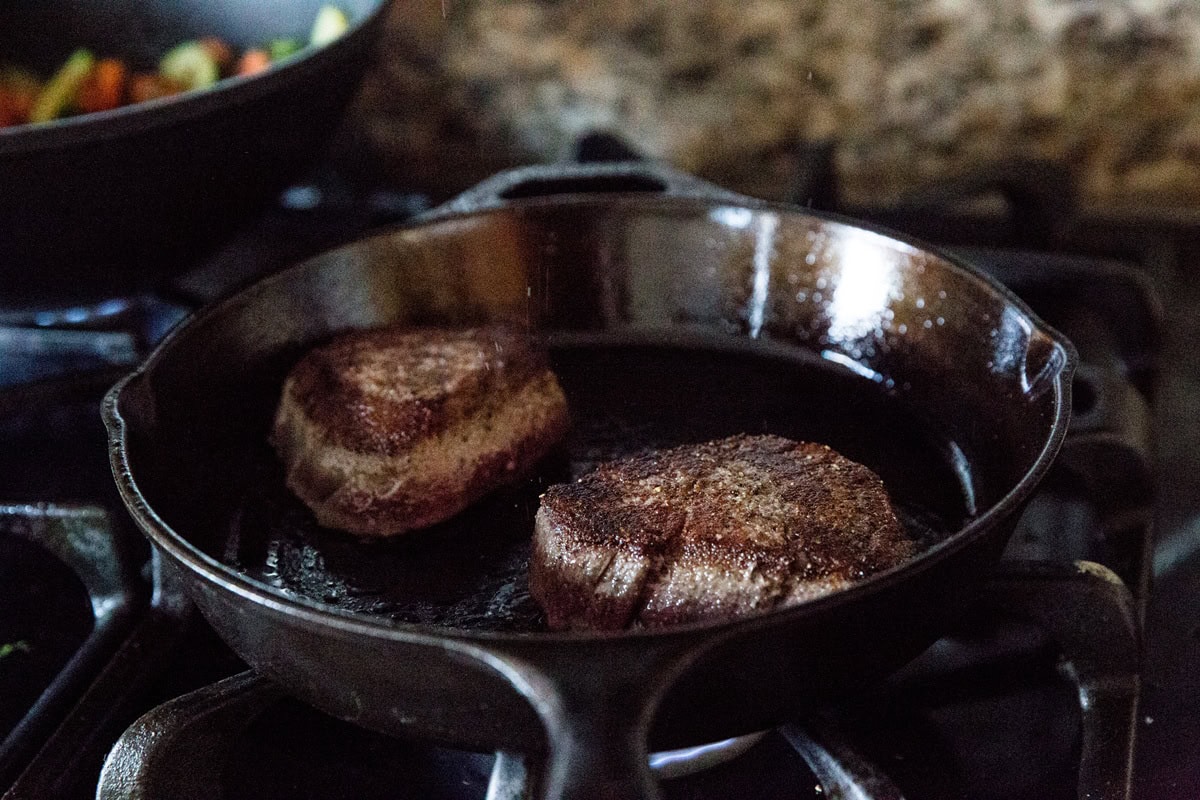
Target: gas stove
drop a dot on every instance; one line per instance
(1055, 686)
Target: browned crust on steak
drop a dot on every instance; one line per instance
(706, 531)
(378, 391)
(389, 430)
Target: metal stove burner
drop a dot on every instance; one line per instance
(1082, 691)
(60, 633)
(690, 760)
(182, 749)
(185, 748)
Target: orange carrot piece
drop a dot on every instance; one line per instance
(8, 111)
(253, 62)
(104, 87)
(151, 86)
(220, 52)
(18, 90)
(16, 98)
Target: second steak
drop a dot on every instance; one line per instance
(709, 531)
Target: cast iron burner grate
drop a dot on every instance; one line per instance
(241, 736)
(994, 711)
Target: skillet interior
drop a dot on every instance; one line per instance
(625, 394)
(924, 370)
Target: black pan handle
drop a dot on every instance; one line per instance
(558, 180)
(598, 718)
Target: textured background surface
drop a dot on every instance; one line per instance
(909, 90)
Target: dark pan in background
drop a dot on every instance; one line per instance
(139, 190)
(739, 315)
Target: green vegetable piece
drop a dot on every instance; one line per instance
(282, 48)
(59, 92)
(191, 65)
(17, 78)
(331, 22)
(8, 648)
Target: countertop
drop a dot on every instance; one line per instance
(905, 91)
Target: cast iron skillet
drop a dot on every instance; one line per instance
(134, 191)
(675, 312)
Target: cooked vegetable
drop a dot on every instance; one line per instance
(151, 86)
(84, 85)
(331, 22)
(253, 61)
(282, 48)
(8, 648)
(18, 91)
(190, 65)
(104, 88)
(221, 52)
(59, 92)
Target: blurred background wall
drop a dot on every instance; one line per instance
(905, 91)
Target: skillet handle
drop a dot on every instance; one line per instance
(597, 706)
(562, 180)
(599, 752)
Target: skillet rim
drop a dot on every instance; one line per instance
(310, 612)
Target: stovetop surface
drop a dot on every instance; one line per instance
(926, 739)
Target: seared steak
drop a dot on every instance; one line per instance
(709, 531)
(383, 431)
